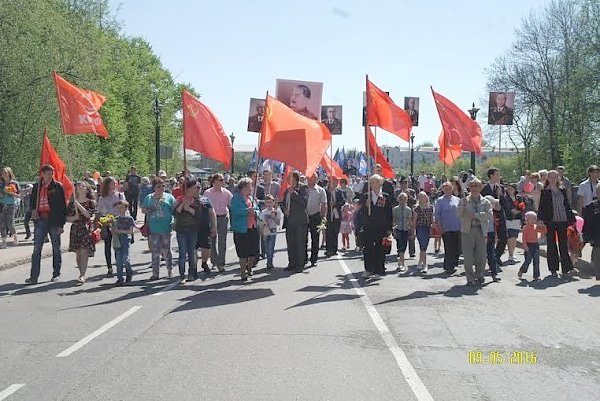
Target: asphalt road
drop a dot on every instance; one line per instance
(325, 334)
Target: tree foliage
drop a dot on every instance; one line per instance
(81, 40)
(553, 67)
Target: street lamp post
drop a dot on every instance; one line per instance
(232, 137)
(412, 156)
(473, 113)
(157, 110)
(387, 154)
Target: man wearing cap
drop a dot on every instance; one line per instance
(586, 192)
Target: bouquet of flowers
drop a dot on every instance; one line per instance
(11, 189)
(321, 227)
(519, 205)
(106, 221)
(386, 243)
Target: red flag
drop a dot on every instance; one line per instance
(332, 168)
(285, 182)
(291, 138)
(448, 153)
(79, 109)
(50, 157)
(376, 153)
(202, 131)
(458, 127)
(382, 112)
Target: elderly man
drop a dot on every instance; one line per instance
(446, 217)
(591, 229)
(295, 203)
(255, 121)
(220, 198)
(475, 212)
(317, 209)
(336, 198)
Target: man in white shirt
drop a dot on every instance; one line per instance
(586, 192)
(317, 209)
(220, 198)
(422, 180)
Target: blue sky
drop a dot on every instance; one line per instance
(231, 51)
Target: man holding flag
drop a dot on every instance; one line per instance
(48, 205)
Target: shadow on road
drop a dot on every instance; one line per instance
(212, 298)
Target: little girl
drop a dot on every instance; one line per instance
(530, 239)
(346, 226)
(121, 230)
(422, 222)
(271, 217)
(574, 241)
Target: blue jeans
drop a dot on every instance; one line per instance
(491, 253)
(40, 230)
(401, 241)
(186, 241)
(423, 235)
(122, 256)
(532, 254)
(270, 248)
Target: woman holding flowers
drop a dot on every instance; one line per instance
(9, 192)
(514, 219)
(106, 212)
(80, 211)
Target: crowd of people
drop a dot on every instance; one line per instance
(476, 221)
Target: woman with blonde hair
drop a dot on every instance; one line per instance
(421, 226)
(9, 193)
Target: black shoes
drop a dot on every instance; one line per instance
(206, 268)
(119, 283)
(31, 281)
(110, 274)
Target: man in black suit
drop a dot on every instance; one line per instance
(336, 198)
(295, 203)
(412, 111)
(497, 190)
(500, 114)
(350, 170)
(255, 121)
(332, 122)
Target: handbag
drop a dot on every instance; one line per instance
(95, 236)
(145, 230)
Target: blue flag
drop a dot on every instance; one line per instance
(362, 164)
(342, 159)
(253, 161)
(336, 156)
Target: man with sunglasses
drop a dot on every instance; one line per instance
(220, 198)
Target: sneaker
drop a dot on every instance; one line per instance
(221, 269)
(206, 268)
(496, 279)
(183, 280)
(402, 268)
(512, 261)
(170, 273)
(55, 279)
(367, 274)
(376, 277)
(520, 274)
(128, 278)
(119, 283)
(244, 279)
(110, 274)
(30, 281)
(424, 269)
(80, 281)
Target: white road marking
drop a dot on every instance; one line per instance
(409, 373)
(231, 248)
(10, 391)
(167, 288)
(98, 332)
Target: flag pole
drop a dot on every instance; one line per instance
(262, 126)
(185, 169)
(62, 124)
(367, 146)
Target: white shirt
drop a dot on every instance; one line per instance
(422, 180)
(316, 196)
(375, 196)
(588, 190)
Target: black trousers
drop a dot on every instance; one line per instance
(451, 249)
(108, 249)
(502, 239)
(132, 199)
(559, 229)
(411, 246)
(332, 235)
(295, 235)
(374, 254)
(313, 223)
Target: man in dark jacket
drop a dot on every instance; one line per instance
(48, 209)
(497, 190)
(336, 198)
(591, 230)
(295, 203)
